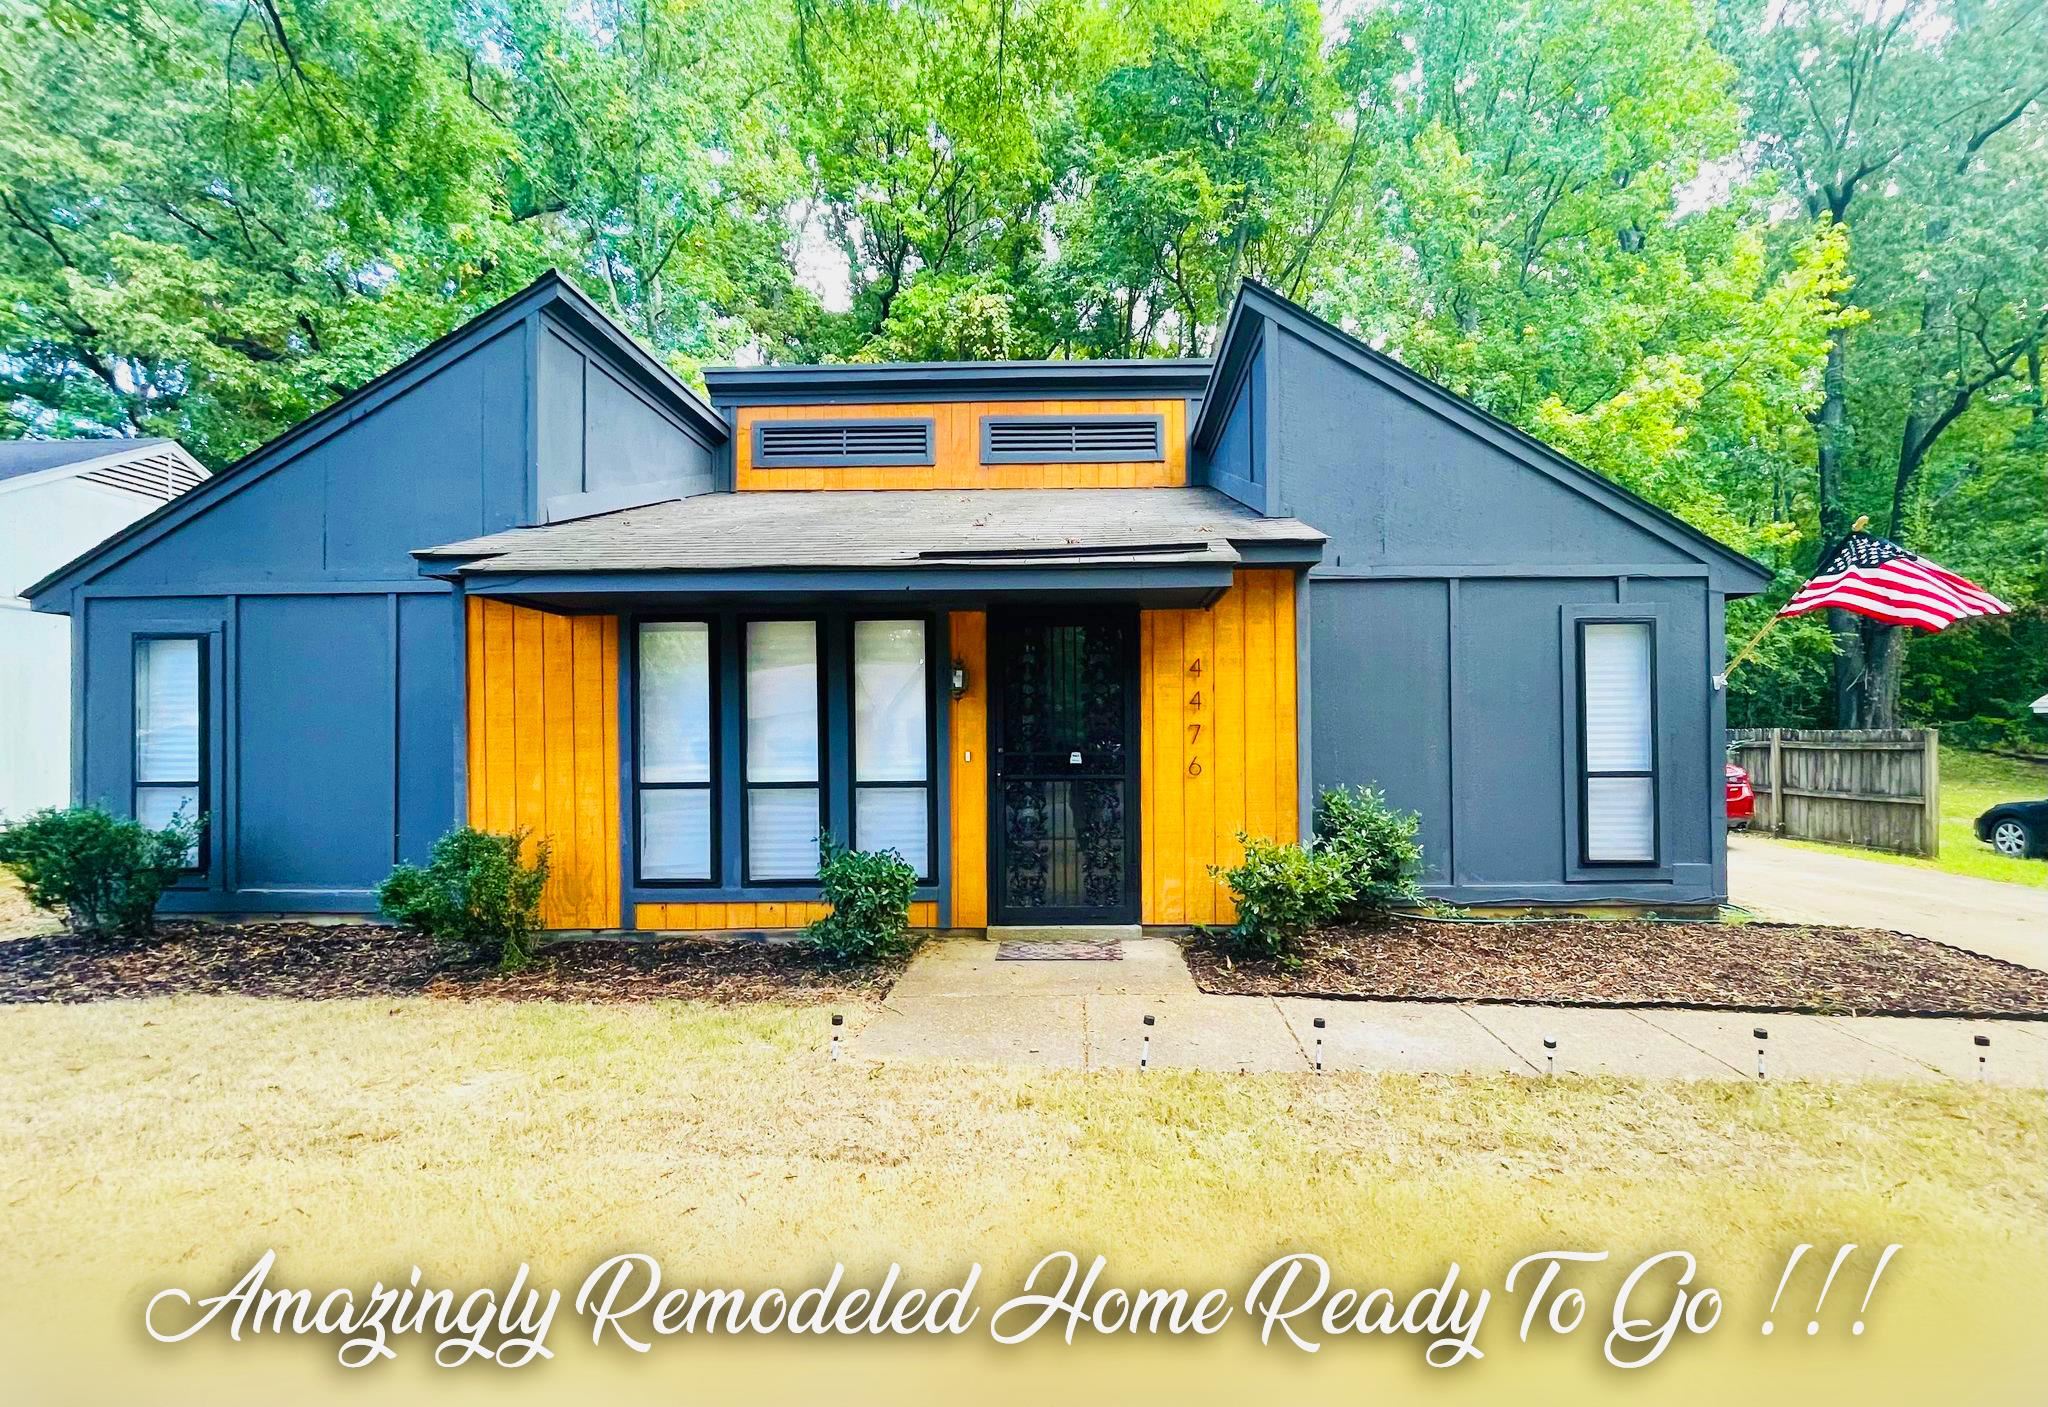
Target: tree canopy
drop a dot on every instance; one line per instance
(1770, 263)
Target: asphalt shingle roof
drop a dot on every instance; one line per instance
(908, 528)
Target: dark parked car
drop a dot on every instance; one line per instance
(2016, 828)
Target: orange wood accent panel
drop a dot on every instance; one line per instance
(722, 917)
(969, 734)
(1219, 741)
(544, 747)
(956, 448)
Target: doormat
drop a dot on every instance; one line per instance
(1059, 952)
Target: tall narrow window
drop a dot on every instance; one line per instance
(170, 728)
(783, 813)
(891, 785)
(675, 751)
(1618, 750)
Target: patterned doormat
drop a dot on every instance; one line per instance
(1059, 952)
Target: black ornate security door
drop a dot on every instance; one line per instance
(1064, 805)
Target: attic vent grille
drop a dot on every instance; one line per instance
(816, 444)
(1072, 439)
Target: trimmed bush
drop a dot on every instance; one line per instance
(1376, 846)
(869, 891)
(1282, 892)
(478, 896)
(103, 872)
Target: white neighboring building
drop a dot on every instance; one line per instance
(57, 498)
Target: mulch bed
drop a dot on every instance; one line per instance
(314, 962)
(1765, 966)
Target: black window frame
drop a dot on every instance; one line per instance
(714, 785)
(931, 736)
(202, 786)
(764, 458)
(747, 786)
(991, 455)
(1586, 772)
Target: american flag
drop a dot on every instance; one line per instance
(1881, 579)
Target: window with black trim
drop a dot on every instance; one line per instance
(784, 751)
(1617, 742)
(892, 741)
(1072, 439)
(677, 744)
(829, 444)
(170, 733)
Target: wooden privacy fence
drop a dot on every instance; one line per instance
(1879, 788)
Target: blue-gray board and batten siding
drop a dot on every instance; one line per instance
(335, 723)
(1436, 639)
(1442, 643)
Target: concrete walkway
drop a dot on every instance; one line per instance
(1796, 885)
(957, 1003)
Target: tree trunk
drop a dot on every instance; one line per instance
(1883, 658)
(1830, 423)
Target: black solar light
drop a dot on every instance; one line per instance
(1549, 1056)
(1320, 1023)
(1762, 1037)
(837, 1022)
(1983, 1044)
(1145, 1046)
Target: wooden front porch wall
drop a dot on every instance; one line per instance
(543, 717)
(753, 916)
(1220, 732)
(956, 449)
(967, 738)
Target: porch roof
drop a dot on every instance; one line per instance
(942, 532)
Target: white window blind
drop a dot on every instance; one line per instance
(675, 750)
(783, 815)
(892, 806)
(1617, 717)
(168, 733)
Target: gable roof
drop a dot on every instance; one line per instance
(150, 467)
(1255, 304)
(551, 292)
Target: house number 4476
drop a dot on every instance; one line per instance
(1194, 729)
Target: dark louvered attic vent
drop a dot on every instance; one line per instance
(823, 444)
(1072, 439)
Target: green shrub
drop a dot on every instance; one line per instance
(1282, 892)
(103, 872)
(869, 892)
(478, 895)
(1376, 845)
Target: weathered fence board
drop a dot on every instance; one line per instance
(1879, 788)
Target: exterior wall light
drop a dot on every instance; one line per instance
(959, 679)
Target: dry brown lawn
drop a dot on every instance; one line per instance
(169, 1141)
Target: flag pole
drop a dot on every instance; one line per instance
(1749, 646)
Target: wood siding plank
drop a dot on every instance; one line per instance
(969, 763)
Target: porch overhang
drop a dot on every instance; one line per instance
(1161, 548)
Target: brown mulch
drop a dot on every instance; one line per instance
(313, 962)
(1765, 966)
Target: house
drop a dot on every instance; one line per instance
(1055, 631)
(57, 498)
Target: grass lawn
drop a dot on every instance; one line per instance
(1971, 783)
(168, 1141)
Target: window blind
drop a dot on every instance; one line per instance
(1619, 762)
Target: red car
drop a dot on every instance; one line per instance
(1741, 798)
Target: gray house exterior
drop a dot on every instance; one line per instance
(1058, 631)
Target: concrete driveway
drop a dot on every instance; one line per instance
(1797, 885)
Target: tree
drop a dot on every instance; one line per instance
(1916, 126)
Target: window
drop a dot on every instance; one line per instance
(783, 796)
(891, 742)
(675, 741)
(1072, 439)
(826, 444)
(170, 729)
(1617, 743)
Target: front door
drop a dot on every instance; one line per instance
(1064, 806)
